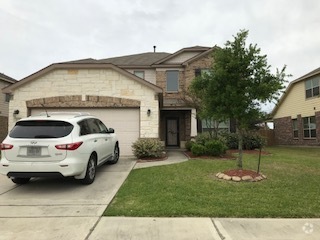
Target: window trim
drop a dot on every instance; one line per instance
(295, 128)
(313, 88)
(309, 129)
(178, 84)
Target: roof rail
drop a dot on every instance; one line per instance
(76, 114)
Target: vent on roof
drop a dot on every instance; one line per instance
(154, 48)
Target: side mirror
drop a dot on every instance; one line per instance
(110, 130)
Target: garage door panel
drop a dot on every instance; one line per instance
(125, 122)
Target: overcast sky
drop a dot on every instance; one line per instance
(37, 33)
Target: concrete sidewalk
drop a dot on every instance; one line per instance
(121, 228)
(174, 156)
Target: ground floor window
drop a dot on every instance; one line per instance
(295, 128)
(309, 127)
(210, 125)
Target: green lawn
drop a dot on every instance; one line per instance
(191, 188)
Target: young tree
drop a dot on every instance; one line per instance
(239, 81)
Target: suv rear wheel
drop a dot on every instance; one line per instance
(19, 180)
(91, 171)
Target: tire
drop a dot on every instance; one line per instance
(116, 155)
(91, 171)
(19, 180)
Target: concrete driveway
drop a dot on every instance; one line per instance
(58, 208)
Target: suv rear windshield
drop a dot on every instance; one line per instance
(41, 129)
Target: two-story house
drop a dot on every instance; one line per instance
(297, 115)
(139, 95)
(4, 105)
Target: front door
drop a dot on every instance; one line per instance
(172, 132)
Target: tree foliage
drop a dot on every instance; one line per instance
(239, 81)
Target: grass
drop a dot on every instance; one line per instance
(191, 188)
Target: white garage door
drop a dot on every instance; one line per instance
(124, 121)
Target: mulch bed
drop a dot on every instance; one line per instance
(228, 156)
(143, 160)
(231, 155)
(241, 173)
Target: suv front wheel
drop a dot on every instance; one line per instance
(116, 154)
(91, 171)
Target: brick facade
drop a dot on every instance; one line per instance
(284, 132)
(204, 62)
(3, 128)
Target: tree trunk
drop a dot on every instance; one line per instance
(240, 134)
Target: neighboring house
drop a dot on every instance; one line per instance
(4, 105)
(140, 95)
(297, 115)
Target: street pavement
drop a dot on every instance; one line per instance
(64, 209)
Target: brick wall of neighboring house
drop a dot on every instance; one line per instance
(283, 130)
(3, 128)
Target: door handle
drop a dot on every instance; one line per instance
(95, 140)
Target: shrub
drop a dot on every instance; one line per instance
(189, 144)
(251, 140)
(202, 138)
(148, 148)
(231, 140)
(215, 148)
(198, 149)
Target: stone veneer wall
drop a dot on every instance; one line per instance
(283, 130)
(76, 101)
(95, 86)
(3, 128)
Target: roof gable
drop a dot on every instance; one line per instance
(311, 74)
(57, 66)
(196, 49)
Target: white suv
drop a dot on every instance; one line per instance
(58, 144)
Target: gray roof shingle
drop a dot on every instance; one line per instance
(7, 78)
(142, 59)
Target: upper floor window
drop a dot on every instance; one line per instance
(7, 97)
(309, 127)
(139, 74)
(295, 128)
(199, 71)
(312, 87)
(172, 81)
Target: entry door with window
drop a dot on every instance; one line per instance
(172, 133)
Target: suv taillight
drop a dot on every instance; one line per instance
(5, 146)
(69, 146)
